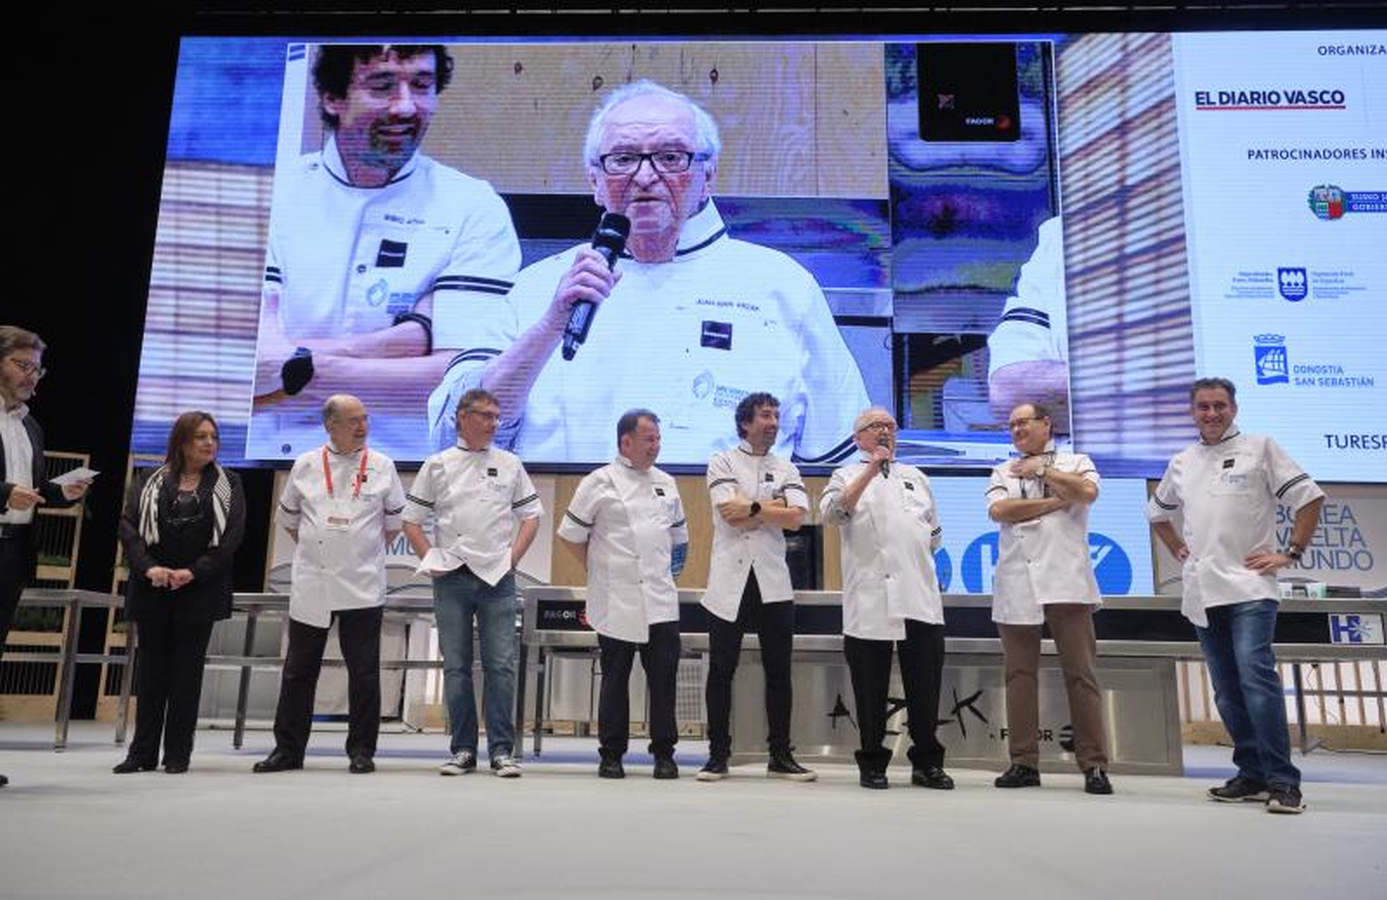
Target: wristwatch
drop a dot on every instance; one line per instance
(297, 371)
(1295, 551)
(1040, 473)
(755, 509)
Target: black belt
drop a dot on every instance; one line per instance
(14, 532)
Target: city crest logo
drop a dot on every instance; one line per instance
(1292, 284)
(1269, 357)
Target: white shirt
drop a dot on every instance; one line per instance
(631, 520)
(888, 544)
(1226, 496)
(19, 460)
(1034, 322)
(1045, 559)
(476, 497)
(736, 551)
(339, 558)
(688, 338)
(348, 260)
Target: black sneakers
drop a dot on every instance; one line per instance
(665, 768)
(1096, 782)
(874, 780)
(1285, 800)
(1241, 790)
(782, 765)
(361, 764)
(715, 769)
(610, 767)
(1018, 776)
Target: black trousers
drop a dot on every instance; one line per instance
(922, 669)
(660, 659)
(358, 631)
(168, 684)
(15, 572)
(774, 624)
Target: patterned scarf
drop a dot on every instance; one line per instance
(149, 505)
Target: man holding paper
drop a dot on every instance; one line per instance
(475, 493)
(22, 485)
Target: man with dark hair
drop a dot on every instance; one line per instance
(1223, 492)
(382, 264)
(1044, 577)
(758, 496)
(23, 486)
(476, 493)
(626, 526)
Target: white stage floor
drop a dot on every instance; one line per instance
(71, 829)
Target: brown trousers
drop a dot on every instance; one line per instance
(1071, 625)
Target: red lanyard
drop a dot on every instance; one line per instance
(360, 475)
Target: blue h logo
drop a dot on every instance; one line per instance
(1345, 629)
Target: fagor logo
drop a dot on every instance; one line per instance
(1112, 567)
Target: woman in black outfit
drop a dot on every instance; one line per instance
(181, 527)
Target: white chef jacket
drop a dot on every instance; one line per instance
(19, 460)
(339, 560)
(475, 497)
(1046, 559)
(1034, 322)
(737, 551)
(347, 260)
(1226, 496)
(888, 544)
(631, 521)
(688, 338)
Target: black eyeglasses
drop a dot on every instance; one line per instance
(28, 368)
(666, 162)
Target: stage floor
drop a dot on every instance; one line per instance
(71, 829)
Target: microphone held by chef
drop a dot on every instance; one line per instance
(609, 240)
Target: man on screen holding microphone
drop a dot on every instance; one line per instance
(687, 317)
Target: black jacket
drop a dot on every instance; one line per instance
(52, 493)
(208, 596)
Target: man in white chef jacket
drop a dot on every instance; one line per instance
(477, 493)
(1225, 490)
(626, 524)
(341, 505)
(1044, 577)
(890, 529)
(757, 496)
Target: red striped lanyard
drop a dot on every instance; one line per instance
(360, 475)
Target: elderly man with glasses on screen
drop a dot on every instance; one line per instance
(689, 319)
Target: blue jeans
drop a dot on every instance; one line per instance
(458, 596)
(1248, 691)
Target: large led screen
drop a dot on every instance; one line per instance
(944, 227)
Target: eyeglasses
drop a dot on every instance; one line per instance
(485, 416)
(666, 162)
(879, 427)
(27, 368)
(1017, 423)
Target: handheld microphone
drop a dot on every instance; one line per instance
(885, 463)
(609, 240)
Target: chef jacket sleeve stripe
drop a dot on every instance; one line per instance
(997, 487)
(419, 500)
(569, 515)
(292, 512)
(394, 512)
(525, 501)
(722, 481)
(1162, 504)
(791, 486)
(1290, 484)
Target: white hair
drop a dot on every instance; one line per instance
(706, 130)
(868, 415)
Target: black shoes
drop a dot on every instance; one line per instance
(361, 764)
(874, 780)
(665, 768)
(129, 764)
(1096, 782)
(932, 777)
(782, 765)
(175, 768)
(715, 769)
(1018, 776)
(3, 781)
(277, 762)
(610, 767)
(1239, 790)
(1285, 800)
